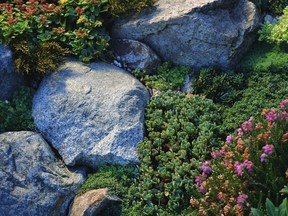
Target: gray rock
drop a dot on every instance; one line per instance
(32, 180)
(91, 114)
(196, 33)
(135, 55)
(187, 86)
(92, 203)
(270, 19)
(10, 80)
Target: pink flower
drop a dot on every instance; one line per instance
(198, 180)
(241, 199)
(202, 189)
(229, 139)
(263, 158)
(248, 165)
(205, 167)
(271, 116)
(240, 132)
(284, 104)
(268, 149)
(247, 125)
(215, 154)
(222, 152)
(238, 166)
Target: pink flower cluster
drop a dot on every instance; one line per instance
(241, 200)
(206, 167)
(229, 139)
(218, 154)
(271, 116)
(247, 126)
(268, 150)
(248, 165)
(199, 180)
(284, 104)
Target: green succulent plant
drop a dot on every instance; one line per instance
(182, 129)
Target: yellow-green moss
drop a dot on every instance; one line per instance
(31, 58)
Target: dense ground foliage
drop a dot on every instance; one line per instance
(182, 130)
(16, 114)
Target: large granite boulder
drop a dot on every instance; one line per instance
(32, 180)
(91, 114)
(196, 33)
(10, 80)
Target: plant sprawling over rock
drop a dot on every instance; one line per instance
(182, 130)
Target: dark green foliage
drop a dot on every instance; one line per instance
(272, 210)
(275, 7)
(221, 87)
(265, 57)
(33, 58)
(265, 68)
(115, 177)
(182, 130)
(167, 77)
(264, 90)
(16, 115)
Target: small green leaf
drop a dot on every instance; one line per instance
(256, 212)
(283, 208)
(271, 210)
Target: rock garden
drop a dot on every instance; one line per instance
(143, 107)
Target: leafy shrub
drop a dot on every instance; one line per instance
(167, 77)
(32, 59)
(221, 87)
(75, 24)
(118, 7)
(181, 132)
(16, 115)
(249, 167)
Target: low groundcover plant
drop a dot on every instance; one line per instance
(248, 168)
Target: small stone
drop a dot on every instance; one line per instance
(136, 55)
(92, 203)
